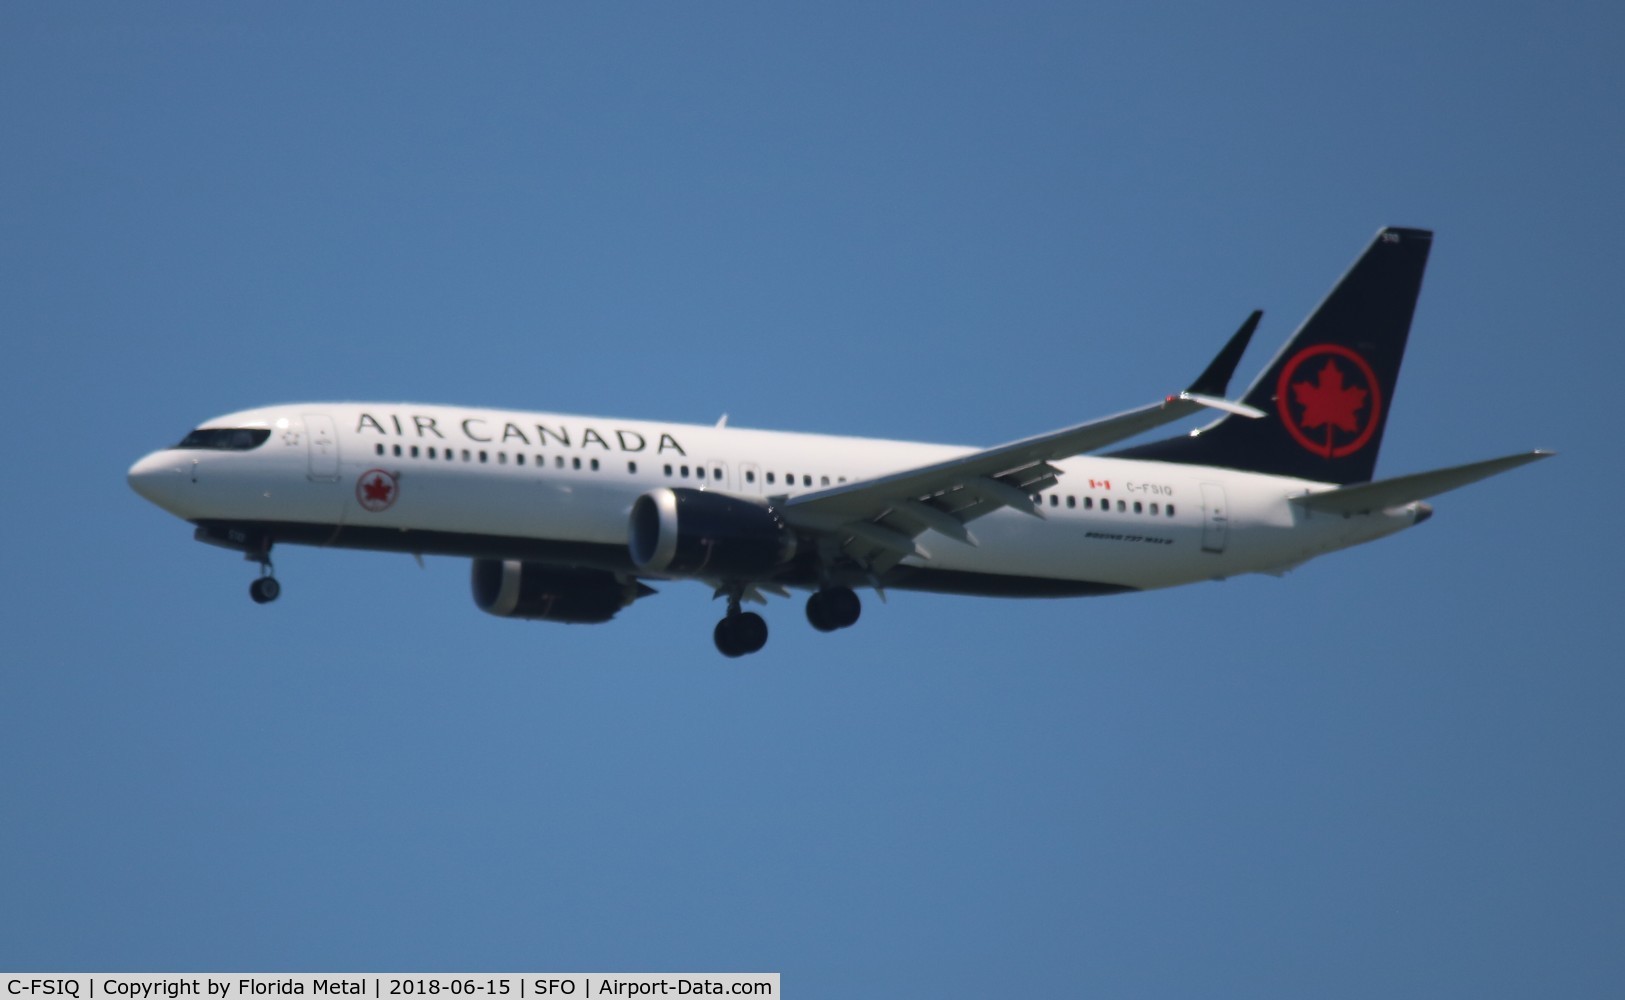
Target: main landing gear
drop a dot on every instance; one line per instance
(833, 608)
(744, 632)
(741, 632)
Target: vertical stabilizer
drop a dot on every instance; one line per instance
(1326, 394)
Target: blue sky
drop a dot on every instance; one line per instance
(1395, 772)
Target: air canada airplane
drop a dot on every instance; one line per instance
(569, 519)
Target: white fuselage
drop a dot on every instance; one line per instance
(483, 482)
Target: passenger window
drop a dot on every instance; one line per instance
(823, 480)
(841, 480)
(380, 449)
(806, 480)
(1138, 509)
(1170, 510)
(397, 451)
(1071, 502)
(683, 471)
(575, 463)
(1121, 507)
(632, 468)
(558, 461)
(520, 458)
(414, 451)
(699, 472)
(770, 479)
(595, 465)
(484, 456)
(502, 458)
(1088, 503)
(432, 453)
(1154, 510)
(1054, 501)
(467, 457)
(750, 476)
(668, 470)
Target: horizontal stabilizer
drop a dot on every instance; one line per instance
(1404, 489)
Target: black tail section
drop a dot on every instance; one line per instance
(1327, 393)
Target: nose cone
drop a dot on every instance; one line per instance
(158, 477)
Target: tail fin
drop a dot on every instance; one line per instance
(1328, 391)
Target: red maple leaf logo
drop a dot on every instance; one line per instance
(376, 490)
(1328, 402)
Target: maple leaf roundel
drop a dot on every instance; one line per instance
(1329, 400)
(376, 490)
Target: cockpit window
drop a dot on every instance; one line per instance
(226, 438)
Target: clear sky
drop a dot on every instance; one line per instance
(1396, 772)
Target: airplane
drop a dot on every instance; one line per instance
(571, 518)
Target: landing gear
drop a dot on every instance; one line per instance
(744, 632)
(833, 608)
(740, 633)
(265, 589)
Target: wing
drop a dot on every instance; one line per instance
(876, 521)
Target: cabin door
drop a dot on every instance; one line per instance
(1215, 518)
(324, 447)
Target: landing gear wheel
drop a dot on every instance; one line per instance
(818, 613)
(833, 608)
(737, 635)
(843, 606)
(265, 590)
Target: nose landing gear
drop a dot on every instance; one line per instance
(265, 589)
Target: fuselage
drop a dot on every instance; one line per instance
(559, 489)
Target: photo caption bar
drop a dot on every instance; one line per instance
(385, 985)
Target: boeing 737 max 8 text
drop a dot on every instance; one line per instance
(569, 519)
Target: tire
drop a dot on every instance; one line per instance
(841, 606)
(750, 631)
(818, 613)
(265, 590)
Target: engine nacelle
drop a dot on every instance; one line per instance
(685, 532)
(509, 588)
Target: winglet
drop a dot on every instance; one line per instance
(1216, 379)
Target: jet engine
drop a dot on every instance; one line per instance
(684, 532)
(509, 588)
